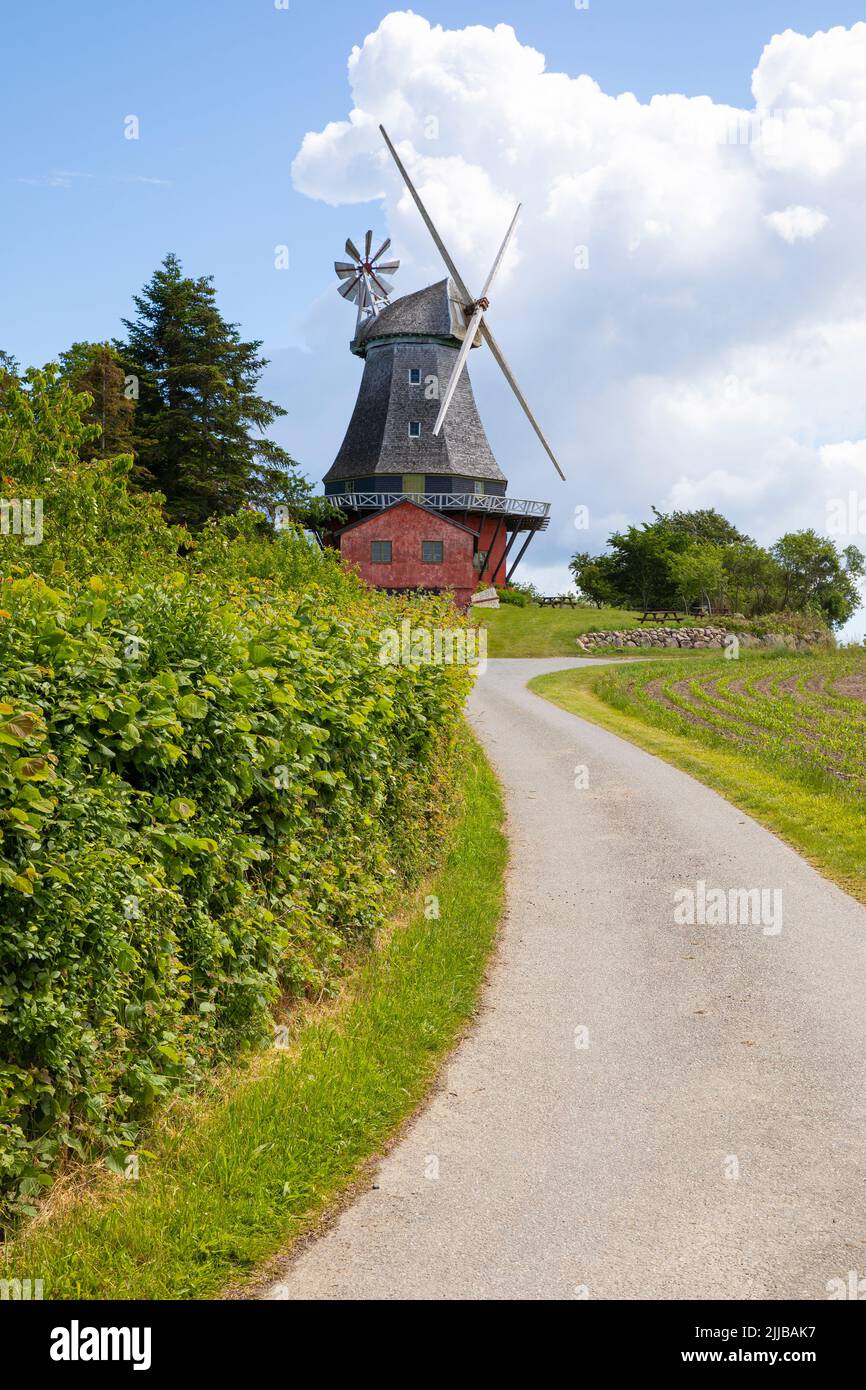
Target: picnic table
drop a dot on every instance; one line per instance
(661, 614)
(558, 601)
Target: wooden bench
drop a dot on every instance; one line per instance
(558, 601)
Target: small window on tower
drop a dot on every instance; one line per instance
(414, 429)
(380, 552)
(415, 376)
(431, 552)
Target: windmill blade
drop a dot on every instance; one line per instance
(343, 269)
(494, 269)
(352, 250)
(382, 249)
(473, 326)
(468, 298)
(349, 287)
(458, 367)
(368, 242)
(512, 382)
(384, 285)
(454, 272)
(389, 267)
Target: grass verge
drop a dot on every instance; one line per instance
(226, 1183)
(822, 825)
(534, 631)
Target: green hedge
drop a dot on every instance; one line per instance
(210, 791)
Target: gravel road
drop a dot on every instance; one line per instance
(644, 1109)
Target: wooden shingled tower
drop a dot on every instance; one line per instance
(426, 503)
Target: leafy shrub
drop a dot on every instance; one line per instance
(518, 586)
(94, 523)
(204, 801)
(211, 790)
(789, 624)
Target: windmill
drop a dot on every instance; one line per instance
(475, 309)
(363, 278)
(423, 503)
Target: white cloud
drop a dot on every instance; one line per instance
(548, 579)
(849, 455)
(60, 178)
(797, 223)
(719, 488)
(696, 361)
(65, 178)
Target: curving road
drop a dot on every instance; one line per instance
(705, 1137)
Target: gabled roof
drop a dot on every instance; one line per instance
(406, 502)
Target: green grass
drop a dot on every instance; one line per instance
(533, 631)
(817, 813)
(233, 1180)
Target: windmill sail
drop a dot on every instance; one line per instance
(362, 281)
(478, 310)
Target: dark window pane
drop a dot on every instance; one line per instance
(431, 552)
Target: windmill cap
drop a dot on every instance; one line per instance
(434, 313)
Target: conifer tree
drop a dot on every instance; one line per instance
(96, 368)
(200, 422)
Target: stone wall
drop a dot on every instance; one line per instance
(694, 637)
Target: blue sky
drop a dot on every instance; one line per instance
(225, 91)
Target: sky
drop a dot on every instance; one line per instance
(684, 299)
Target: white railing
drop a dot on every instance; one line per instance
(442, 501)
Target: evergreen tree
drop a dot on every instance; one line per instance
(199, 422)
(96, 368)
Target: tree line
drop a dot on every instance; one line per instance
(179, 393)
(700, 559)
